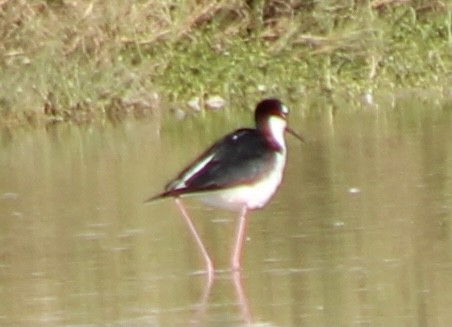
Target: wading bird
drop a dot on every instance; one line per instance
(240, 172)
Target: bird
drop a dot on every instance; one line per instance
(240, 172)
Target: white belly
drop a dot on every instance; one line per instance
(253, 196)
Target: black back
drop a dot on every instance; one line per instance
(238, 158)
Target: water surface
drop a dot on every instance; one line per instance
(360, 232)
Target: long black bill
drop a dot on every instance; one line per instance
(292, 132)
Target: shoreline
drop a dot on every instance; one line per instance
(76, 62)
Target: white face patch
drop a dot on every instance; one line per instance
(284, 109)
(277, 127)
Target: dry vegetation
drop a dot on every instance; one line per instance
(85, 60)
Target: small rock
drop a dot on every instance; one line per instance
(368, 98)
(215, 102)
(195, 104)
(179, 114)
(261, 88)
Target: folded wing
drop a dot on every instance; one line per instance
(220, 167)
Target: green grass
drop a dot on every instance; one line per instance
(81, 61)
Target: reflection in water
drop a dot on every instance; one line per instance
(201, 309)
(360, 232)
(242, 301)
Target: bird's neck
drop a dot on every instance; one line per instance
(274, 129)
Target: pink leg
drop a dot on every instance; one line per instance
(209, 264)
(236, 256)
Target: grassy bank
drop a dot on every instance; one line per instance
(85, 60)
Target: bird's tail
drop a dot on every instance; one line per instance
(155, 198)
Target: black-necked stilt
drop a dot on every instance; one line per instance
(240, 172)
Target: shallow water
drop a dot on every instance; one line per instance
(360, 232)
